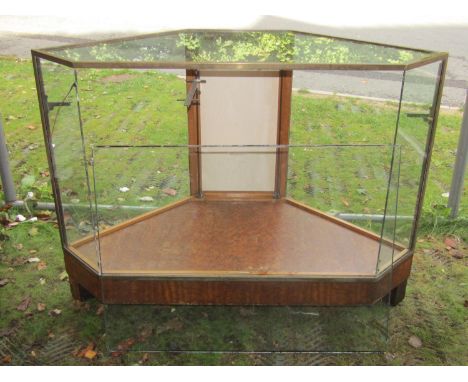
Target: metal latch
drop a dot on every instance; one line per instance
(192, 91)
(425, 116)
(52, 105)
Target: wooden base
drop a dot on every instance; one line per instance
(236, 252)
(172, 291)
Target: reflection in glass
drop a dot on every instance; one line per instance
(240, 47)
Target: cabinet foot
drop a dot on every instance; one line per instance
(397, 294)
(78, 292)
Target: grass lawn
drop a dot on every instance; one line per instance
(41, 324)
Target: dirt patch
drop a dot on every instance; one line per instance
(117, 78)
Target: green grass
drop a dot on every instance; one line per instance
(138, 107)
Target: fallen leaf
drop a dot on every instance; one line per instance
(6, 359)
(457, 254)
(81, 305)
(33, 231)
(55, 312)
(20, 218)
(415, 342)
(451, 242)
(145, 358)
(345, 202)
(16, 261)
(42, 265)
(170, 191)
(24, 304)
(100, 310)
(42, 281)
(389, 356)
(31, 127)
(3, 282)
(32, 251)
(465, 304)
(124, 189)
(63, 276)
(90, 354)
(41, 307)
(34, 260)
(125, 345)
(44, 215)
(86, 352)
(44, 173)
(18, 246)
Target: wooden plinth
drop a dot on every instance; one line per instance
(218, 251)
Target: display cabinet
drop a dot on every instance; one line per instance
(238, 167)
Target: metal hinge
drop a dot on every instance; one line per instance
(192, 92)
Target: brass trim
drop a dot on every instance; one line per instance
(45, 53)
(428, 149)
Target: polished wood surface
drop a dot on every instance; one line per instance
(169, 290)
(211, 238)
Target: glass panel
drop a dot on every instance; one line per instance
(140, 107)
(344, 107)
(350, 183)
(418, 101)
(390, 249)
(235, 239)
(350, 107)
(249, 328)
(239, 47)
(132, 180)
(69, 158)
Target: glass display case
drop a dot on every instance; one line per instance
(204, 167)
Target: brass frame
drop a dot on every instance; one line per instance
(45, 53)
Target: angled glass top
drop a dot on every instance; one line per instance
(213, 49)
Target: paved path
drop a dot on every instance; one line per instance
(453, 39)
